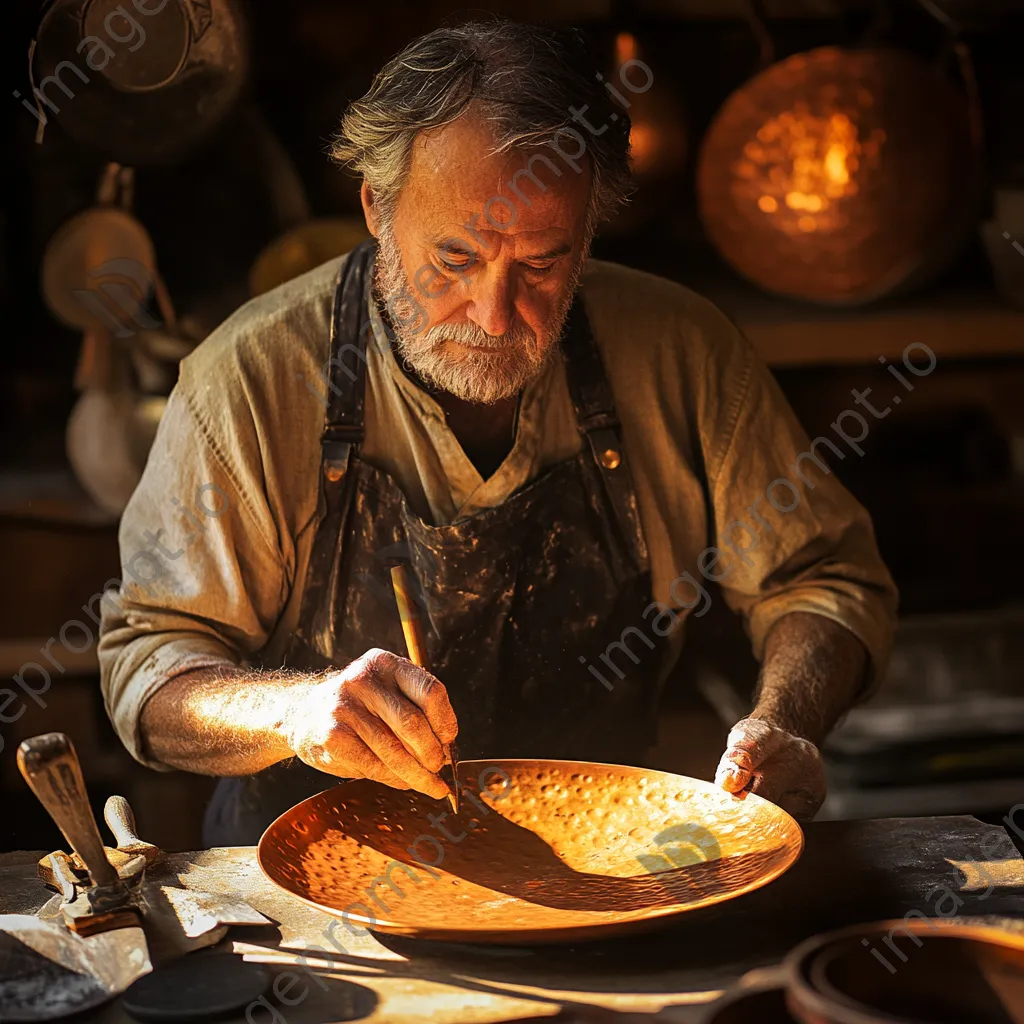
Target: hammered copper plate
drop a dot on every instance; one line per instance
(564, 850)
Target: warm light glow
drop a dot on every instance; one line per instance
(802, 163)
(643, 147)
(835, 164)
(837, 175)
(801, 201)
(657, 141)
(625, 47)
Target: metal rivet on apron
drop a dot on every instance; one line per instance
(610, 458)
(334, 472)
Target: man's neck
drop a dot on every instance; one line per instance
(485, 432)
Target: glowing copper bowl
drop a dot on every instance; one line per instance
(840, 176)
(540, 851)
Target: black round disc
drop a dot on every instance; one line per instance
(199, 987)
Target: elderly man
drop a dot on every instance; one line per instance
(562, 450)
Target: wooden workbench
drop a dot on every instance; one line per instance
(849, 872)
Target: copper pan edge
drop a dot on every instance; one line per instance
(804, 1001)
(652, 920)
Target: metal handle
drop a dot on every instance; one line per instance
(50, 766)
(120, 819)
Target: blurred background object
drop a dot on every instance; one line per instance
(1004, 241)
(99, 274)
(657, 134)
(156, 79)
(304, 247)
(181, 170)
(840, 176)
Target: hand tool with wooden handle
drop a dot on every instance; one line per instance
(120, 819)
(413, 631)
(179, 919)
(86, 945)
(50, 767)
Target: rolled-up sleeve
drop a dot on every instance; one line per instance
(202, 582)
(794, 539)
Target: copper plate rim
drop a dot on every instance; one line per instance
(650, 920)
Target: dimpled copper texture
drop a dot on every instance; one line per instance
(563, 850)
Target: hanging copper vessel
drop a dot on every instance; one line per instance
(140, 83)
(840, 176)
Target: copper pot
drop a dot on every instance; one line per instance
(144, 83)
(841, 176)
(909, 971)
(913, 970)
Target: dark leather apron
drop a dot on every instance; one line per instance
(518, 601)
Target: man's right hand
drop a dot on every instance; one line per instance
(381, 718)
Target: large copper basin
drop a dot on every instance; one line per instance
(562, 850)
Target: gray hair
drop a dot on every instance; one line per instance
(522, 79)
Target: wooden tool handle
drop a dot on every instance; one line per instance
(50, 767)
(120, 819)
(411, 626)
(63, 875)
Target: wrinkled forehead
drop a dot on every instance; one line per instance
(455, 178)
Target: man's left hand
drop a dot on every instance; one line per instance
(774, 764)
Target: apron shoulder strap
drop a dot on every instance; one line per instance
(350, 330)
(598, 422)
(343, 432)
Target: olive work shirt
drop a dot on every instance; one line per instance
(216, 538)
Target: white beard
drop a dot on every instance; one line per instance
(512, 360)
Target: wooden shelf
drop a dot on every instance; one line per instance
(16, 653)
(49, 494)
(955, 324)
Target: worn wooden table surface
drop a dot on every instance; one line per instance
(849, 872)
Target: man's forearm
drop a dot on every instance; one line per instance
(222, 721)
(381, 718)
(812, 671)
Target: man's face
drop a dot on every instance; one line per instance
(478, 302)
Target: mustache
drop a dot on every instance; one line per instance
(517, 336)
